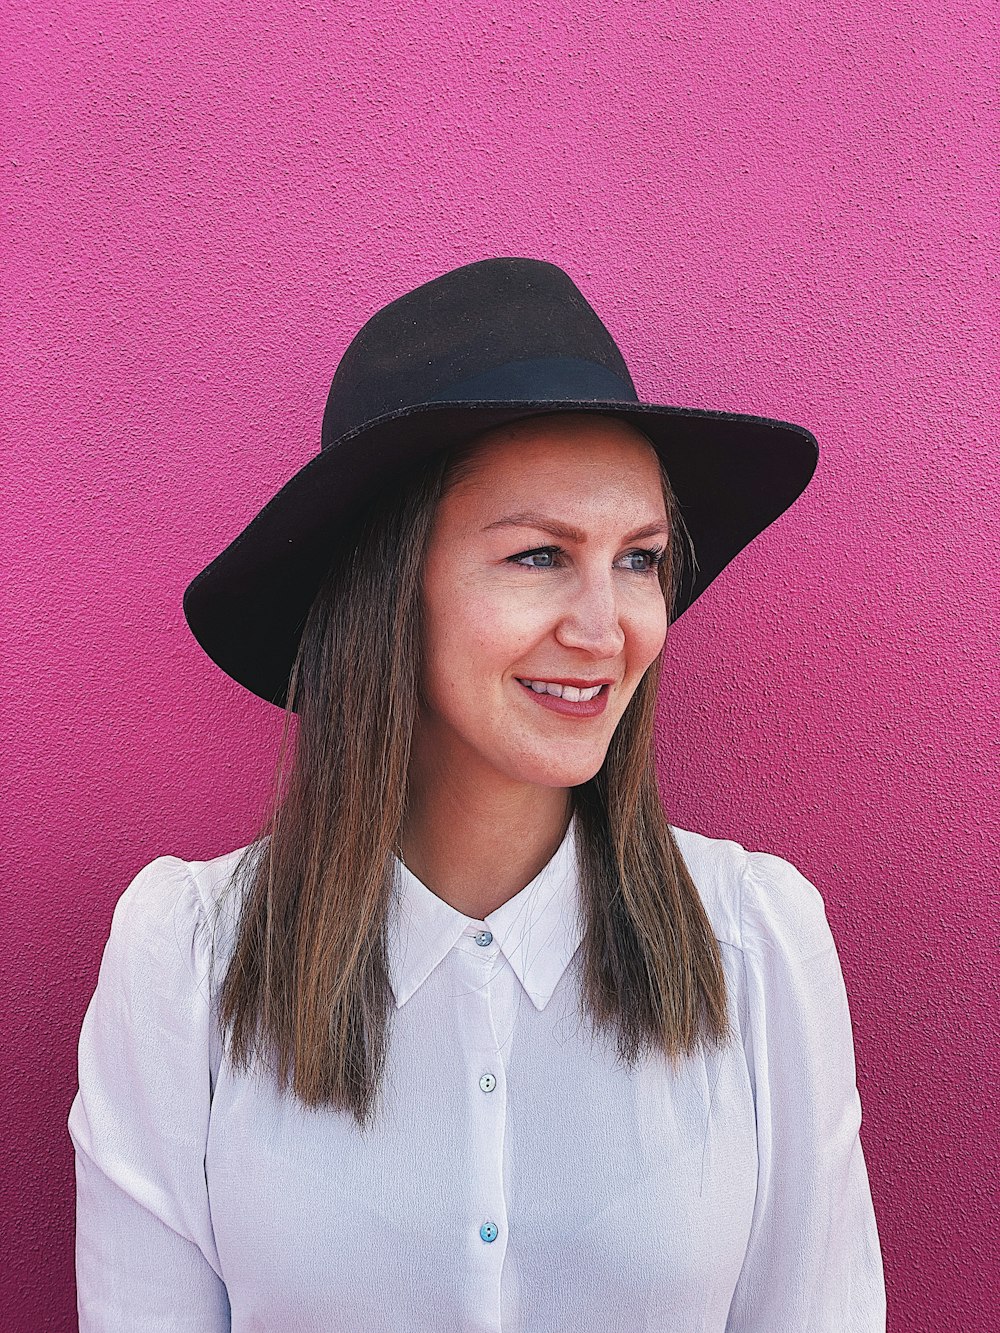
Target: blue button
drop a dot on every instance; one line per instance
(488, 1231)
(484, 937)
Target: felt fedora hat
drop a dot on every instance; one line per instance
(484, 344)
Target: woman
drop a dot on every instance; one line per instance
(470, 1038)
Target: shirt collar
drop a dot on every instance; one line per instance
(538, 930)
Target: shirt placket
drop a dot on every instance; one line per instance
(487, 1076)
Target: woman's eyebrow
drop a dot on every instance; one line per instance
(530, 519)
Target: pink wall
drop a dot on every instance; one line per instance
(778, 211)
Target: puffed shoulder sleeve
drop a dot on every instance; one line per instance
(145, 1252)
(813, 1261)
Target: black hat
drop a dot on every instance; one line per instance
(484, 344)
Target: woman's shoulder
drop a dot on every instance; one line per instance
(754, 899)
(177, 908)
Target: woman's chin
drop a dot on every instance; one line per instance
(547, 772)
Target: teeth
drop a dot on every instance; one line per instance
(570, 692)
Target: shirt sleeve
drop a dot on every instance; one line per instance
(145, 1251)
(813, 1262)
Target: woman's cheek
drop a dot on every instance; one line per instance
(648, 628)
(504, 627)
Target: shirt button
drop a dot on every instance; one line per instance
(488, 1231)
(487, 1083)
(483, 937)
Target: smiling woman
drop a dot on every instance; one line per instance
(470, 1037)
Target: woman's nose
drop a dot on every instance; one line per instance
(592, 620)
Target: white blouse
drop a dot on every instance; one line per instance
(521, 1180)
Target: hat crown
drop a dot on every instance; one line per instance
(504, 329)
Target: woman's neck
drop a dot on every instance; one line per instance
(476, 844)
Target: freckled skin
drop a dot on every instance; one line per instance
(595, 612)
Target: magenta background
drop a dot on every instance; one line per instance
(777, 211)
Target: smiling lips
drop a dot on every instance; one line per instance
(565, 690)
(571, 698)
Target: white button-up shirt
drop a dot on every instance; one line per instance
(520, 1179)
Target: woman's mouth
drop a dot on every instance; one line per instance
(572, 700)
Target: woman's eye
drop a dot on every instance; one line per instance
(648, 560)
(542, 558)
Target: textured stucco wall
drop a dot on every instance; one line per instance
(777, 210)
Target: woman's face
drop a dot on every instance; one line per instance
(541, 580)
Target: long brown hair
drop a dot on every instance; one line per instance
(307, 982)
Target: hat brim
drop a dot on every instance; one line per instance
(733, 475)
